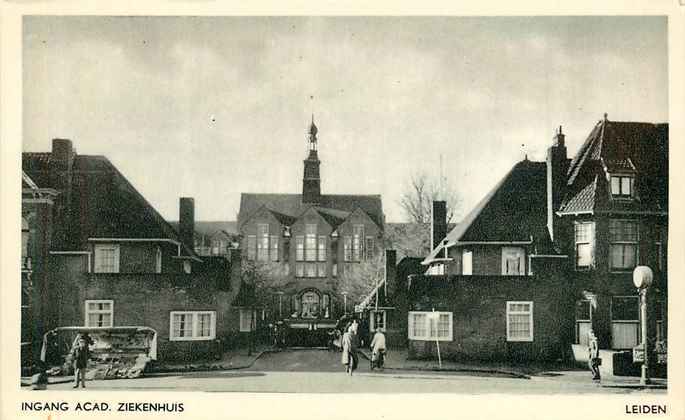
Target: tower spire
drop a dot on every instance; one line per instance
(311, 182)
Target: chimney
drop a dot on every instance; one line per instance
(236, 269)
(390, 272)
(438, 223)
(186, 221)
(557, 166)
(68, 228)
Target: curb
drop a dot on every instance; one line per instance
(170, 372)
(484, 371)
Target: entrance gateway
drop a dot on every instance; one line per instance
(311, 319)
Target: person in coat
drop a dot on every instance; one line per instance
(378, 348)
(594, 360)
(80, 356)
(349, 351)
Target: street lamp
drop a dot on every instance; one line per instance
(642, 279)
(345, 301)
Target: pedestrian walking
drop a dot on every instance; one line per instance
(378, 349)
(349, 350)
(80, 356)
(594, 361)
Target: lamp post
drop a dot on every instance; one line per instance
(345, 301)
(642, 279)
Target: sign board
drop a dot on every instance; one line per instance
(638, 354)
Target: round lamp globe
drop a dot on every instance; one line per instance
(642, 276)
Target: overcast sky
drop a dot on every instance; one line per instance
(212, 107)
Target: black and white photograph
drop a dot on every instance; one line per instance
(461, 205)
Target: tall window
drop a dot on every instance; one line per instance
(347, 248)
(430, 326)
(274, 247)
(251, 247)
(583, 321)
(622, 186)
(299, 248)
(585, 238)
(310, 242)
(299, 270)
(311, 270)
(467, 262)
(321, 269)
(513, 261)
(246, 316)
(623, 235)
(369, 248)
(106, 258)
(99, 313)
(519, 321)
(357, 242)
(263, 242)
(322, 248)
(625, 322)
(158, 260)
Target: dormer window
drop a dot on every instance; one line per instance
(622, 186)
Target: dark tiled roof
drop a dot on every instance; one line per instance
(103, 204)
(515, 210)
(623, 147)
(291, 205)
(209, 228)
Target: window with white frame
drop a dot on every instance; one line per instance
(622, 186)
(378, 319)
(625, 322)
(321, 269)
(357, 242)
(99, 313)
(158, 260)
(106, 258)
(322, 249)
(299, 270)
(369, 248)
(347, 248)
(430, 326)
(583, 321)
(584, 240)
(467, 262)
(251, 247)
(519, 321)
(513, 261)
(192, 325)
(273, 243)
(623, 235)
(246, 316)
(263, 242)
(299, 248)
(310, 242)
(334, 270)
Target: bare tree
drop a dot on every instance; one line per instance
(419, 194)
(358, 280)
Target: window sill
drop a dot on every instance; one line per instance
(519, 340)
(192, 338)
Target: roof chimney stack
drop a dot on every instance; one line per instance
(186, 221)
(438, 223)
(557, 166)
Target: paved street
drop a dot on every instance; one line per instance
(320, 371)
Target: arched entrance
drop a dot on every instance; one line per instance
(311, 320)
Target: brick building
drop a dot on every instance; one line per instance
(321, 252)
(102, 256)
(549, 254)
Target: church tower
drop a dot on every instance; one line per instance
(311, 183)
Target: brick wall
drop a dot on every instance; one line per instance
(478, 304)
(146, 300)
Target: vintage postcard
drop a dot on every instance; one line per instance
(341, 214)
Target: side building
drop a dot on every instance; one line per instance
(321, 253)
(103, 257)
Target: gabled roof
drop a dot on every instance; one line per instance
(620, 147)
(330, 206)
(515, 210)
(103, 204)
